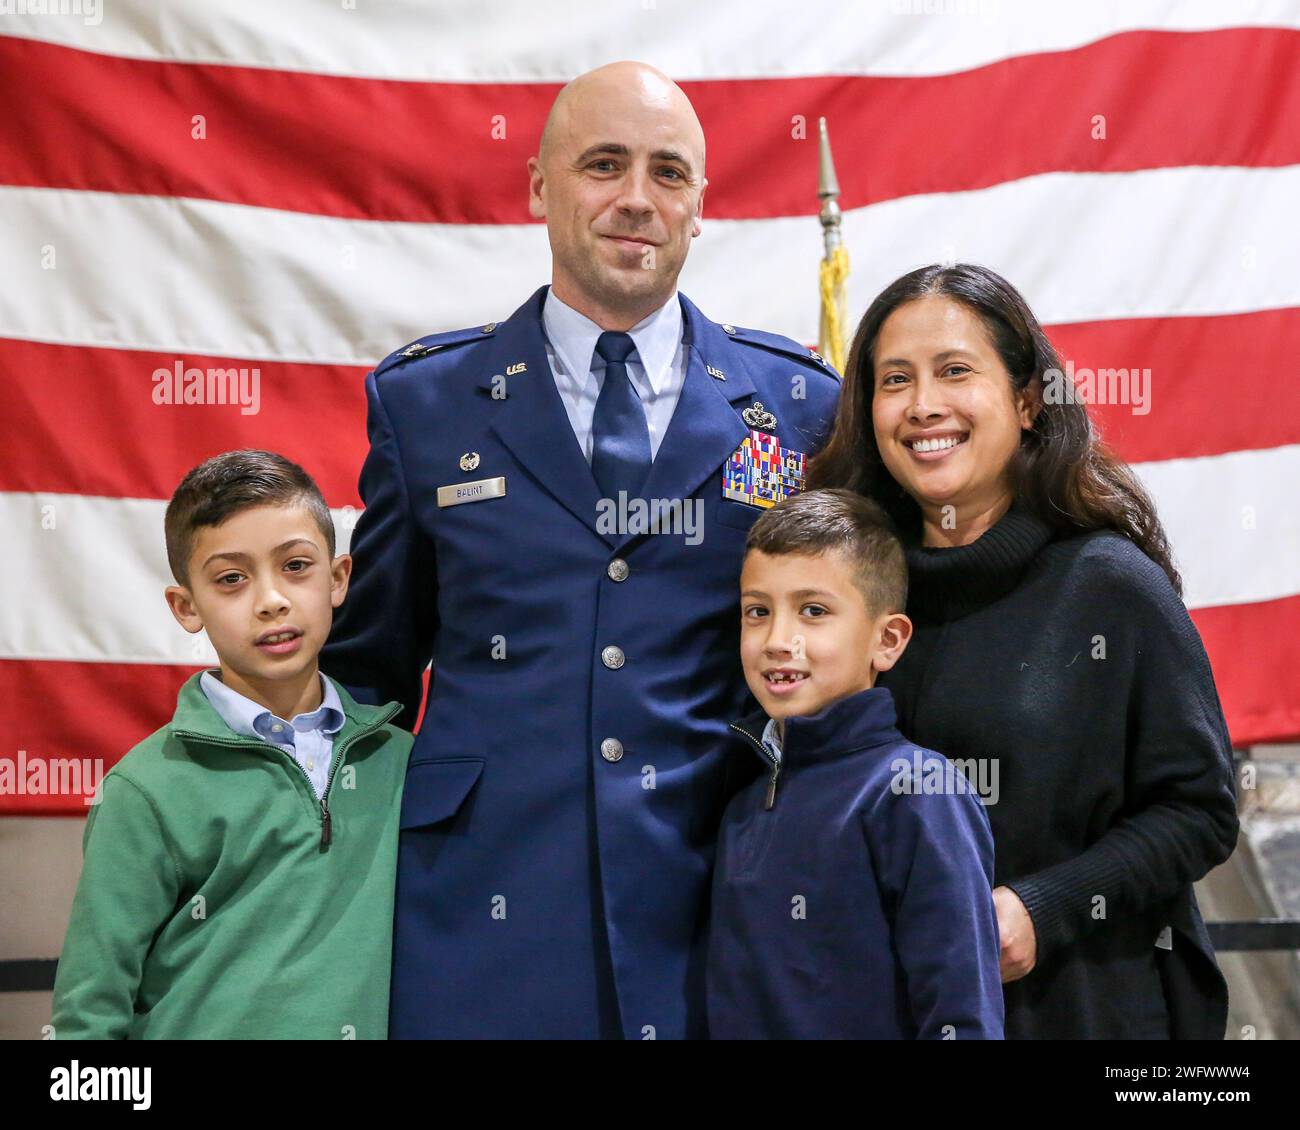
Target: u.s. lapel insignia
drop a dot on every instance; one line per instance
(716, 374)
(756, 416)
(761, 472)
(469, 461)
(517, 367)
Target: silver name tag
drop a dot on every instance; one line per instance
(476, 491)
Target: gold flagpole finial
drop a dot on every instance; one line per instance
(835, 261)
(828, 187)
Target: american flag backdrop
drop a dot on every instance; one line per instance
(294, 188)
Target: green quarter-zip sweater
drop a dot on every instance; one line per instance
(220, 899)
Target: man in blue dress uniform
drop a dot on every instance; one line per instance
(556, 510)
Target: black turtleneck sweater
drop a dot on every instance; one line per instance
(1071, 663)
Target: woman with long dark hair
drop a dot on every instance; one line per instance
(1053, 649)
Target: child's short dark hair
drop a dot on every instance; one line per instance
(833, 519)
(232, 482)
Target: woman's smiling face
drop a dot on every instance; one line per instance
(946, 418)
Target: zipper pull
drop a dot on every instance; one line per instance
(326, 831)
(771, 790)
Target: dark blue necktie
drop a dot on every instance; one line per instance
(620, 450)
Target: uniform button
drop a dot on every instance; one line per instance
(611, 749)
(276, 728)
(618, 570)
(311, 765)
(612, 657)
(729, 329)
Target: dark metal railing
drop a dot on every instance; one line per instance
(1255, 935)
(28, 975)
(35, 975)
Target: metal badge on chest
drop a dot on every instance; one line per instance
(760, 471)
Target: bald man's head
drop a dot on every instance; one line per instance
(619, 179)
(621, 81)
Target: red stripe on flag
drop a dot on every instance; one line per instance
(1215, 385)
(83, 421)
(382, 149)
(99, 711)
(83, 712)
(1213, 388)
(118, 705)
(1254, 650)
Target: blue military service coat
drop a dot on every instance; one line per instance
(564, 791)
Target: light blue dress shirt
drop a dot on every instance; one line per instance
(772, 739)
(308, 739)
(657, 369)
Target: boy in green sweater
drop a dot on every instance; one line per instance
(240, 862)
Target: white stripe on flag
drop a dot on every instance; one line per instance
(197, 276)
(75, 607)
(527, 41)
(1233, 523)
(92, 571)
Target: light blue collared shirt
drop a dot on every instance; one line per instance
(308, 739)
(657, 369)
(772, 740)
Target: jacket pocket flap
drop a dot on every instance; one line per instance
(435, 790)
(741, 515)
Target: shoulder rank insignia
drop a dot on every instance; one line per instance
(777, 343)
(761, 472)
(434, 343)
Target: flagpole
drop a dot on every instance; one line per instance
(834, 270)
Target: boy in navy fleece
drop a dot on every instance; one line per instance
(852, 887)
